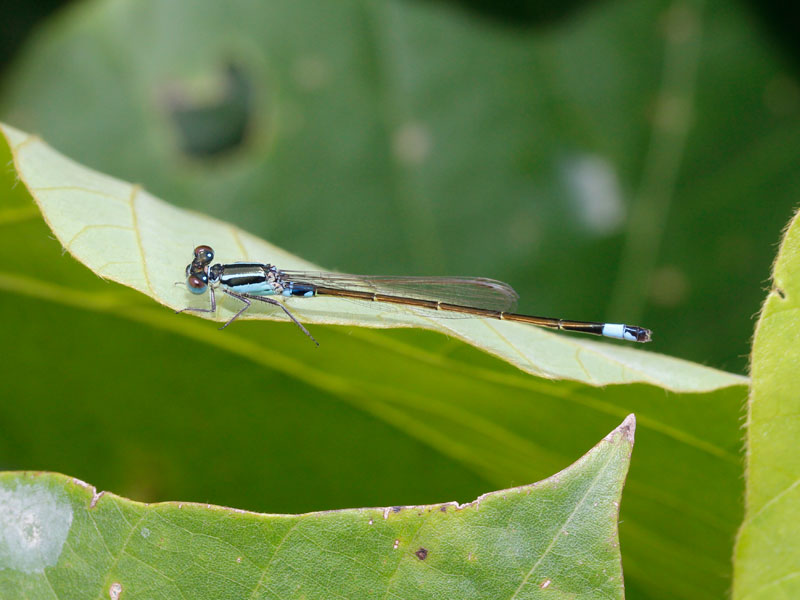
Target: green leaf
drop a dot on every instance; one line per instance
(767, 549)
(554, 539)
(124, 234)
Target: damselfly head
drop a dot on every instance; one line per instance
(197, 270)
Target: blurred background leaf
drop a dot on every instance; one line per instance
(615, 161)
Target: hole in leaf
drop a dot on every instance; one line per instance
(212, 113)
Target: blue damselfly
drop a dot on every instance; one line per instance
(468, 296)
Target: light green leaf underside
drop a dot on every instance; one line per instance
(124, 234)
(553, 539)
(768, 547)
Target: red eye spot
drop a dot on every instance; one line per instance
(204, 253)
(195, 282)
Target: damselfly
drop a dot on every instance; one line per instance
(468, 296)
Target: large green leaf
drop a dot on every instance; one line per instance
(124, 234)
(768, 545)
(553, 539)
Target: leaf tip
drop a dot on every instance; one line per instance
(628, 428)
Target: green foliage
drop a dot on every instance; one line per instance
(632, 162)
(767, 551)
(165, 405)
(124, 234)
(553, 539)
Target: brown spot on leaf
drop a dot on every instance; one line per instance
(422, 553)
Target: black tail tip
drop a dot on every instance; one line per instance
(636, 334)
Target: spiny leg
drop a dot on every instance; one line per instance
(244, 298)
(205, 310)
(244, 308)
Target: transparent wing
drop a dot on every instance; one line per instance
(476, 292)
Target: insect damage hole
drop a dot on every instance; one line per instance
(115, 591)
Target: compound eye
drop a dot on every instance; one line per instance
(204, 254)
(196, 284)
